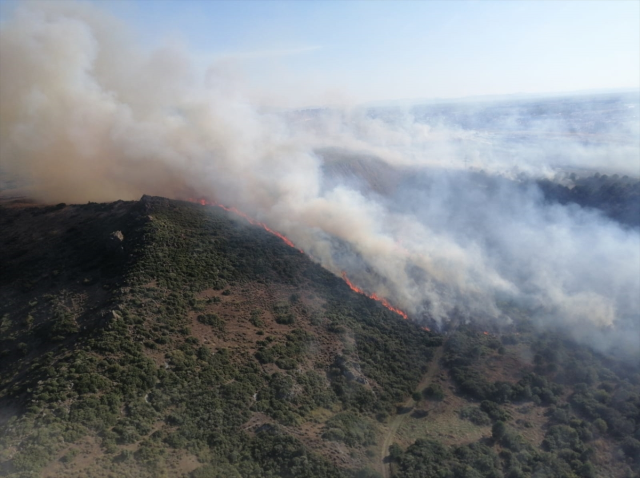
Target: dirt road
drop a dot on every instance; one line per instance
(395, 423)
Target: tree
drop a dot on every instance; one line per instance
(395, 451)
(498, 430)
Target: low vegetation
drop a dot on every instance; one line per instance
(201, 346)
(115, 360)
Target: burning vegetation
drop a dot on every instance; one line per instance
(374, 297)
(288, 242)
(232, 209)
(208, 335)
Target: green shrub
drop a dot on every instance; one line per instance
(211, 319)
(434, 392)
(351, 429)
(475, 415)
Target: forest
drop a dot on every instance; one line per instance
(164, 338)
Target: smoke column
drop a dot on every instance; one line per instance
(86, 116)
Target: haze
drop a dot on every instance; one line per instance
(186, 100)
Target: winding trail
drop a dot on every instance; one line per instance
(399, 419)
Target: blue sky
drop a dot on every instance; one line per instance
(383, 50)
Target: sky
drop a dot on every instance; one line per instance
(367, 51)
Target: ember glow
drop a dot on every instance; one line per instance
(373, 296)
(232, 209)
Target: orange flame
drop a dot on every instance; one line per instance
(373, 296)
(288, 242)
(426, 328)
(485, 333)
(232, 209)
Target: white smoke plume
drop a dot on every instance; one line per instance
(86, 116)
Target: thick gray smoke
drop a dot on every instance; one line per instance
(85, 116)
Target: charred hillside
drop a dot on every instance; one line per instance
(166, 338)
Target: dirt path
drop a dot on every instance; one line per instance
(434, 367)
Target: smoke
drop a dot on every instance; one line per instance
(430, 213)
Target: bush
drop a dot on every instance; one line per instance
(434, 392)
(286, 319)
(475, 415)
(218, 471)
(631, 448)
(351, 429)
(213, 320)
(494, 411)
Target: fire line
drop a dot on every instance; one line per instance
(374, 297)
(232, 209)
(288, 242)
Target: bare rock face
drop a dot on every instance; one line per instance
(115, 241)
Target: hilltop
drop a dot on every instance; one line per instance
(165, 338)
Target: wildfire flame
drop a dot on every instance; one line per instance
(288, 242)
(373, 296)
(250, 220)
(426, 328)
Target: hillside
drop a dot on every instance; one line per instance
(615, 197)
(164, 338)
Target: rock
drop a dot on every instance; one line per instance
(117, 236)
(115, 241)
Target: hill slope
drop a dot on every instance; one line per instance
(164, 338)
(196, 338)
